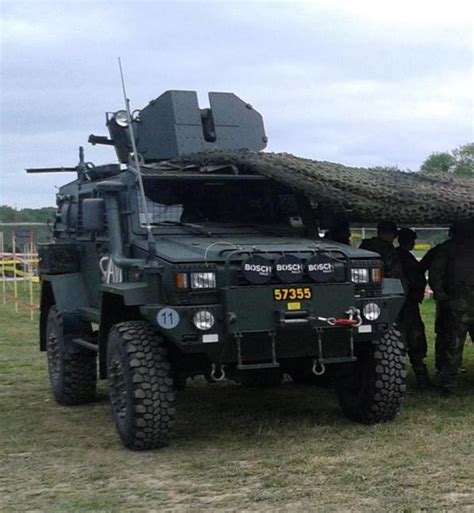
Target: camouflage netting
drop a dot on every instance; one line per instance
(359, 194)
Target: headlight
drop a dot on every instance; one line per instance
(204, 280)
(371, 311)
(121, 118)
(360, 275)
(203, 320)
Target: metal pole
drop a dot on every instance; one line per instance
(15, 284)
(4, 283)
(151, 240)
(30, 273)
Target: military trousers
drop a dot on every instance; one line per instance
(462, 324)
(413, 334)
(444, 327)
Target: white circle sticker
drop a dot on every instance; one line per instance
(167, 318)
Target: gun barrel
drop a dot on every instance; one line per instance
(51, 169)
(100, 139)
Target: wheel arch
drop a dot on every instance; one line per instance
(56, 290)
(47, 300)
(112, 311)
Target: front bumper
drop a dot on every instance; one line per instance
(251, 316)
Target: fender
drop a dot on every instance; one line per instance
(67, 292)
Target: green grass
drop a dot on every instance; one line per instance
(234, 449)
(419, 253)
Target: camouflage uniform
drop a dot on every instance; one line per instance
(386, 250)
(452, 280)
(410, 321)
(443, 317)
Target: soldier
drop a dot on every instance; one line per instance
(410, 322)
(427, 260)
(383, 245)
(339, 232)
(443, 320)
(452, 280)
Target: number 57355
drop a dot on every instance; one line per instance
(292, 293)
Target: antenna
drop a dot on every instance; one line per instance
(151, 239)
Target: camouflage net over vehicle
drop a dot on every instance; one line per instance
(359, 194)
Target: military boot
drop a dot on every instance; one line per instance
(446, 382)
(423, 381)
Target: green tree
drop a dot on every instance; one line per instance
(464, 156)
(438, 163)
(26, 215)
(460, 161)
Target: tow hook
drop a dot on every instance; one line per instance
(318, 367)
(354, 316)
(354, 319)
(217, 375)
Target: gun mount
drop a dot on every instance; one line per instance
(173, 125)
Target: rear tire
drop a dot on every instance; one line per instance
(373, 390)
(141, 384)
(72, 369)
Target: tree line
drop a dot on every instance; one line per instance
(459, 161)
(25, 215)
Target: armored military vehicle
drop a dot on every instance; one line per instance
(162, 269)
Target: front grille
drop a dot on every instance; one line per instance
(368, 289)
(191, 297)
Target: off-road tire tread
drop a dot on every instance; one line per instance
(386, 387)
(150, 381)
(78, 381)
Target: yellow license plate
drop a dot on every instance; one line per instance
(292, 293)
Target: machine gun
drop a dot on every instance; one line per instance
(85, 170)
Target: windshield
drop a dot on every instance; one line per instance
(230, 202)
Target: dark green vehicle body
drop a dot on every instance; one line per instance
(102, 270)
(241, 309)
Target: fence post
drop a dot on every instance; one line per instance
(15, 283)
(4, 282)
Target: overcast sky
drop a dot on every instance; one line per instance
(358, 82)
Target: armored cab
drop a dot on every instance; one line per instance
(173, 270)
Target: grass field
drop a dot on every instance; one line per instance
(234, 449)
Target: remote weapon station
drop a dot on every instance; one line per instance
(163, 268)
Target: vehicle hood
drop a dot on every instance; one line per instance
(189, 249)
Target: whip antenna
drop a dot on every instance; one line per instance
(136, 163)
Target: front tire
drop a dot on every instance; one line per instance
(373, 390)
(141, 384)
(72, 370)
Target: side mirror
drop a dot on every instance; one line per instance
(93, 215)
